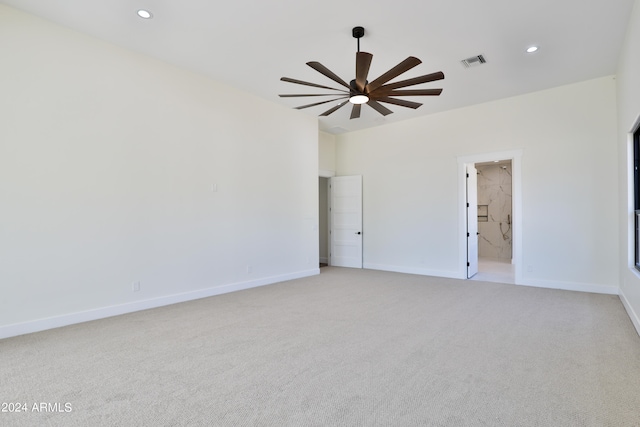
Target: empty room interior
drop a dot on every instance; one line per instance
(271, 213)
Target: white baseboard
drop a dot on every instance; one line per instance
(116, 310)
(571, 286)
(413, 270)
(635, 319)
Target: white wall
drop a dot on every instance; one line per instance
(107, 161)
(410, 184)
(326, 153)
(628, 116)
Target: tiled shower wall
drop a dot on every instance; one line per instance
(494, 191)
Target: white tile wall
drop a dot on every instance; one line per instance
(494, 190)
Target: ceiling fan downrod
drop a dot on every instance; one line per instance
(357, 33)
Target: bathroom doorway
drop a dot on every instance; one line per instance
(495, 221)
(499, 202)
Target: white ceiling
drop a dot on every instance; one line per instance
(250, 44)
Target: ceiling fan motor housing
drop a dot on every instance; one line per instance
(354, 88)
(357, 32)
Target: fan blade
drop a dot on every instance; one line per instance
(328, 73)
(402, 67)
(363, 62)
(307, 94)
(355, 111)
(414, 92)
(318, 103)
(331, 110)
(379, 107)
(300, 82)
(400, 102)
(414, 81)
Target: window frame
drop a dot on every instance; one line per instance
(636, 196)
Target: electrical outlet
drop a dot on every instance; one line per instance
(529, 268)
(136, 286)
(214, 188)
(249, 269)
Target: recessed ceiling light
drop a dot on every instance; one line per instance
(145, 14)
(532, 49)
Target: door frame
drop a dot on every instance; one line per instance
(516, 188)
(472, 220)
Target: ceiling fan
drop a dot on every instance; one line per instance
(361, 91)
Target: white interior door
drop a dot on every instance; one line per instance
(346, 221)
(472, 221)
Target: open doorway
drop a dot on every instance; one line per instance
(323, 220)
(495, 221)
(496, 192)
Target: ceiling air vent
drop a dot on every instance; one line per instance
(474, 61)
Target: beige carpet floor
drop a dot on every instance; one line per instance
(344, 348)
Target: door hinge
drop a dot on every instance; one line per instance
(467, 204)
(467, 175)
(468, 235)
(468, 264)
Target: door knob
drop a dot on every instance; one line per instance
(358, 232)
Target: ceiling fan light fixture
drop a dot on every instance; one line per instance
(144, 14)
(359, 99)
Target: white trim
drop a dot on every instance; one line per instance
(572, 286)
(636, 126)
(548, 284)
(326, 174)
(413, 270)
(630, 235)
(635, 319)
(488, 157)
(116, 310)
(516, 176)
